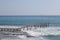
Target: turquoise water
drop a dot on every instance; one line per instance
(22, 20)
(53, 37)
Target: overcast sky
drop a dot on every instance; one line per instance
(29, 7)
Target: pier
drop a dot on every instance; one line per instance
(40, 25)
(10, 29)
(17, 29)
(20, 30)
(27, 27)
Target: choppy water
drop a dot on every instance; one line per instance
(37, 38)
(50, 33)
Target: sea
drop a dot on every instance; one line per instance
(52, 32)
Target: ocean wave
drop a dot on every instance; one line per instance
(38, 33)
(44, 31)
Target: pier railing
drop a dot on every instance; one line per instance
(40, 25)
(29, 26)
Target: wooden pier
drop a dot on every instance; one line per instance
(41, 25)
(27, 27)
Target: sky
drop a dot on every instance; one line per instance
(29, 7)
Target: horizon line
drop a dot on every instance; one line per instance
(29, 15)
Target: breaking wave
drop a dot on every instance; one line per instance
(44, 31)
(38, 33)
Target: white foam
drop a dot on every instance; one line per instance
(6, 26)
(44, 31)
(39, 31)
(21, 36)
